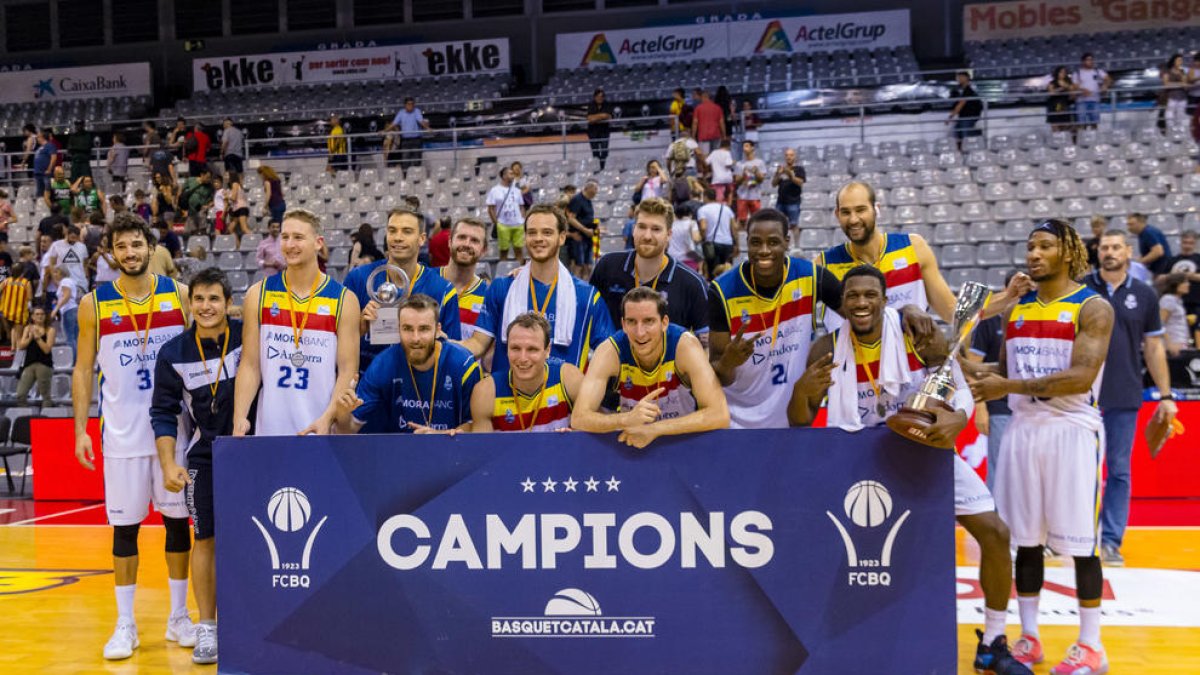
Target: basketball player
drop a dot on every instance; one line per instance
(122, 326)
(761, 323)
(1048, 480)
(578, 319)
(299, 340)
(422, 385)
(194, 375)
(906, 261)
(405, 236)
(658, 371)
(869, 368)
(468, 240)
(536, 393)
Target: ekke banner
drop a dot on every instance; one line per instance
(1003, 20)
(766, 551)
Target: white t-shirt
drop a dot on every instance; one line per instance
(721, 162)
(1089, 79)
(68, 282)
(718, 223)
(751, 188)
(507, 201)
(1176, 323)
(46, 284)
(104, 273)
(72, 256)
(218, 201)
(681, 243)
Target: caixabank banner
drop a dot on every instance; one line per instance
(83, 82)
(756, 552)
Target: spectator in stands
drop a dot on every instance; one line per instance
(708, 123)
(749, 175)
(724, 101)
(411, 123)
(1093, 82)
(1153, 246)
(337, 146)
(37, 339)
(507, 212)
(195, 260)
(218, 205)
(1137, 332)
(789, 179)
(683, 155)
(581, 216)
(168, 239)
(685, 238)
(67, 305)
(1188, 264)
(16, 292)
(196, 144)
(6, 261)
(720, 165)
(117, 162)
(439, 243)
(69, 254)
(233, 147)
(269, 256)
(748, 121)
(7, 215)
(1193, 78)
(681, 111)
(364, 250)
(1175, 85)
(196, 200)
(59, 191)
(177, 136)
(162, 262)
(141, 207)
(599, 119)
(56, 218)
(237, 207)
(43, 163)
(151, 140)
(1174, 313)
(718, 227)
(1058, 104)
(522, 182)
(79, 151)
(162, 165)
(565, 194)
(116, 203)
(165, 204)
(92, 233)
(29, 146)
(1099, 225)
(87, 196)
(273, 193)
(105, 264)
(651, 185)
(968, 108)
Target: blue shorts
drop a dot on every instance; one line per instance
(580, 251)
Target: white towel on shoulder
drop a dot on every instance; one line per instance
(517, 302)
(893, 371)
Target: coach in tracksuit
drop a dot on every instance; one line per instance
(194, 375)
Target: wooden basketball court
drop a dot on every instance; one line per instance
(57, 604)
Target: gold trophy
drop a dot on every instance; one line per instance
(914, 419)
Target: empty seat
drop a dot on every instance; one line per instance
(957, 255)
(975, 211)
(993, 253)
(814, 239)
(956, 278)
(985, 231)
(229, 261)
(1017, 230)
(224, 242)
(949, 233)
(942, 213)
(1009, 209)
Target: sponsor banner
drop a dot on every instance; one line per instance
(464, 57)
(692, 42)
(56, 84)
(1003, 20)
(729, 552)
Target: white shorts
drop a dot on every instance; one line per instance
(1048, 484)
(971, 495)
(131, 483)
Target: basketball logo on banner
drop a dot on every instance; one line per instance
(868, 505)
(289, 511)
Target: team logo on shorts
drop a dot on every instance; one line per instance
(868, 505)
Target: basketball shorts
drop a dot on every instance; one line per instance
(510, 236)
(131, 483)
(1048, 484)
(971, 495)
(199, 495)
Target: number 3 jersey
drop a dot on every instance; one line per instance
(126, 351)
(296, 390)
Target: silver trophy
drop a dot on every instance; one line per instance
(914, 419)
(385, 328)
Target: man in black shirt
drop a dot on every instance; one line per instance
(56, 217)
(581, 216)
(598, 115)
(991, 417)
(789, 178)
(967, 110)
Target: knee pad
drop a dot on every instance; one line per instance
(1030, 569)
(179, 539)
(125, 539)
(1089, 578)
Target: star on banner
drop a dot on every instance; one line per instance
(548, 484)
(527, 485)
(613, 484)
(569, 484)
(592, 484)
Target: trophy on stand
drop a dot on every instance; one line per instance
(385, 329)
(914, 419)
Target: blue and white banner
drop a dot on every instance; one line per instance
(783, 551)
(111, 80)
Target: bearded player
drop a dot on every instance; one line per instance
(468, 240)
(1048, 479)
(660, 374)
(869, 368)
(121, 327)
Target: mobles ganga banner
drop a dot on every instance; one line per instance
(813, 551)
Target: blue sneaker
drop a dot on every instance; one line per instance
(995, 659)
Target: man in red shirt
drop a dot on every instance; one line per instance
(708, 123)
(439, 244)
(196, 145)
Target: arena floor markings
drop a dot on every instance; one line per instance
(56, 572)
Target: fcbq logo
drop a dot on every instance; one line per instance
(868, 505)
(289, 511)
(573, 613)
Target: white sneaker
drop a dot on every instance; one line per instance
(181, 629)
(206, 644)
(122, 643)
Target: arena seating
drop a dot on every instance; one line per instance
(1027, 57)
(63, 113)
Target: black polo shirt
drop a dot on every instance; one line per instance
(685, 291)
(988, 341)
(1135, 310)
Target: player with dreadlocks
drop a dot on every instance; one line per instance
(1048, 481)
